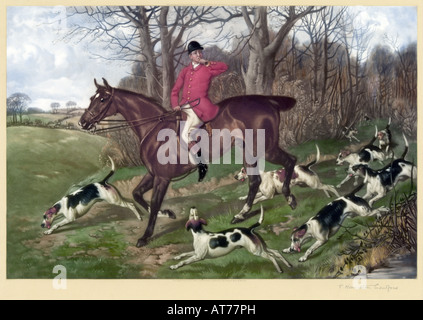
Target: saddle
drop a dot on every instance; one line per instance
(206, 126)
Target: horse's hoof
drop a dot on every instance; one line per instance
(236, 220)
(292, 201)
(141, 243)
(170, 213)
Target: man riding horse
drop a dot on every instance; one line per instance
(252, 114)
(194, 80)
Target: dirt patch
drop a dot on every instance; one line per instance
(103, 218)
(151, 259)
(281, 226)
(46, 243)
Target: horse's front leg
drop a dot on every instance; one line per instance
(145, 185)
(160, 186)
(254, 185)
(288, 161)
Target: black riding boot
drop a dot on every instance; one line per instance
(202, 168)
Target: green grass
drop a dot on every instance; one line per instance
(44, 164)
(41, 166)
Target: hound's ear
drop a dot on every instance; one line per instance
(300, 233)
(96, 84)
(188, 225)
(106, 84)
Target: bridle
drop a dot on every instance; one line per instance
(124, 124)
(97, 118)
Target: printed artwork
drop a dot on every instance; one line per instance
(221, 142)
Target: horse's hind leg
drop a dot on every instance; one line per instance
(288, 161)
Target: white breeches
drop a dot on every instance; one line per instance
(191, 125)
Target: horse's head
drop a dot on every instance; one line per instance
(101, 106)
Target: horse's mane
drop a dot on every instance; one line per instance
(152, 100)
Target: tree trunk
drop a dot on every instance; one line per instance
(260, 74)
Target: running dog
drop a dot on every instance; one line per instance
(78, 203)
(329, 220)
(366, 155)
(350, 133)
(380, 182)
(272, 181)
(385, 140)
(216, 244)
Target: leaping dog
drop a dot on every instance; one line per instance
(78, 203)
(272, 181)
(216, 244)
(329, 220)
(380, 182)
(385, 139)
(366, 155)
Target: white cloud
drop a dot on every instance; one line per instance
(50, 70)
(397, 22)
(45, 68)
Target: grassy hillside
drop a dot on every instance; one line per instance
(44, 164)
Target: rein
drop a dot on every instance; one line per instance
(138, 122)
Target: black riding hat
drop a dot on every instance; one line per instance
(193, 46)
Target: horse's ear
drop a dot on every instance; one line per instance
(106, 84)
(96, 84)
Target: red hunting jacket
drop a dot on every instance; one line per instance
(195, 84)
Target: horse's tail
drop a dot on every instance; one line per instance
(281, 103)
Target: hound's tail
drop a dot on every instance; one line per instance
(389, 123)
(373, 139)
(110, 173)
(406, 147)
(257, 224)
(352, 193)
(312, 163)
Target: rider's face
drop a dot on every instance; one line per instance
(196, 56)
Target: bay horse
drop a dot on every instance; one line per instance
(147, 118)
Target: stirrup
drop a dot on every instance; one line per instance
(202, 171)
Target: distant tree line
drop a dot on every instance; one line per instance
(18, 104)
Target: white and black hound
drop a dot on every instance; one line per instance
(350, 133)
(380, 182)
(385, 140)
(328, 221)
(216, 244)
(366, 155)
(272, 181)
(78, 203)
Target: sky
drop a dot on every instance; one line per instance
(49, 69)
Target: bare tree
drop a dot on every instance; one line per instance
(263, 48)
(54, 107)
(322, 28)
(355, 39)
(16, 105)
(152, 36)
(382, 65)
(70, 105)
